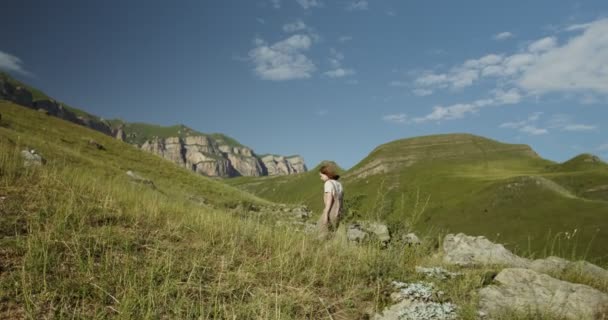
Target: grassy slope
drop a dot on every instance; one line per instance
(469, 191)
(78, 241)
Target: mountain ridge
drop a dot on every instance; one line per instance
(227, 157)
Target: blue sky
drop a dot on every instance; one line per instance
(326, 79)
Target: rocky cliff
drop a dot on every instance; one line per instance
(213, 157)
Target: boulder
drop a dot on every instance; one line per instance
(527, 291)
(355, 233)
(32, 158)
(463, 250)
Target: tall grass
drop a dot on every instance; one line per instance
(98, 247)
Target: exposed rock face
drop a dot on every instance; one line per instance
(466, 250)
(280, 165)
(17, 94)
(206, 156)
(526, 290)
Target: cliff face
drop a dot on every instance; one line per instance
(207, 156)
(280, 165)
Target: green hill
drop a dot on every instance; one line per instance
(473, 185)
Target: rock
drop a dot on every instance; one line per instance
(355, 233)
(139, 179)
(380, 231)
(301, 212)
(119, 134)
(363, 230)
(213, 158)
(463, 250)
(524, 290)
(280, 165)
(32, 158)
(96, 145)
(411, 239)
(416, 303)
(550, 264)
(44, 112)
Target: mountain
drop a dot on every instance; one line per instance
(214, 155)
(473, 185)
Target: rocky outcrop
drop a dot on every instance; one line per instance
(207, 156)
(464, 250)
(22, 96)
(280, 165)
(16, 94)
(527, 291)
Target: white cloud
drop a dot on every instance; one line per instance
(396, 118)
(283, 60)
(339, 73)
(527, 126)
(542, 45)
(456, 111)
(295, 26)
(578, 66)
(307, 4)
(358, 5)
(422, 92)
(579, 127)
(9, 62)
(530, 129)
(335, 61)
(343, 39)
(503, 35)
(577, 27)
(511, 96)
(276, 3)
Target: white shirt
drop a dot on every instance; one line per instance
(334, 187)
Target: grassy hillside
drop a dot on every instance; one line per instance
(79, 240)
(470, 184)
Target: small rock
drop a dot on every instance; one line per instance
(437, 272)
(43, 111)
(355, 234)
(411, 239)
(96, 145)
(32, 158)
(301, 212)
(139, 179)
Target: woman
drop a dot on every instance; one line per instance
(332, 197)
